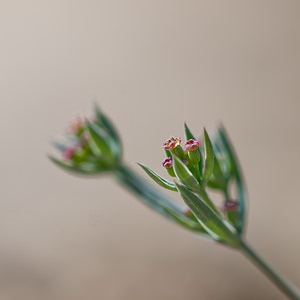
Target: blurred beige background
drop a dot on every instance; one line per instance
(151, 65)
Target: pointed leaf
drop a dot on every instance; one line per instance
(103, 120)
(222, 156)
(218, 176)
(184, 174)
(189, 135)
(211, 222)
(237, 174)
(84, 168)
(158, 179)
(209, 156)
(99, 144)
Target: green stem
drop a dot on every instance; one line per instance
(158, 201)
(286, 287)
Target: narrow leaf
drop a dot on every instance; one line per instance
(103, 120)
(237, 174)
(189, 135)
(211, 222)
(158, 179)
(218, 175)
(209, 156)
(99, 144)
(184, 174)
(83, 169)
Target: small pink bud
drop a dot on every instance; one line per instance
(191, 145)
(168, 163)
(69, 152)
(172, 143)
(230, 205)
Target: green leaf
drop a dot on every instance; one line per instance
(214, 184)
(222, 156)
(83, 168)
(218, 175)
(189, 135)
(210, 221)
(185, 175)
(237, 174)
(158, 179)
(209, 157)
(104, 121)
(168, 153)
(234, 218)
(99, 144)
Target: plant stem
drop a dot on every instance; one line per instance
(158, 201)
(287, 288)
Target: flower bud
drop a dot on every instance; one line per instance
(230, 205)
(168, 164)
(172, 143)
(191, 145)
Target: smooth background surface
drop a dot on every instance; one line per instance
(151, 65)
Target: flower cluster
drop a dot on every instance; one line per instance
(199, 166)
(91, 146)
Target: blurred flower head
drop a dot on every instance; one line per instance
(91, 145)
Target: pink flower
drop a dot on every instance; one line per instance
(168, 163)
(172, 143)
(191, 145)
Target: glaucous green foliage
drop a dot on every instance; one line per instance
(93, 147)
